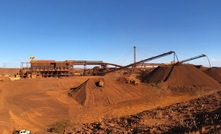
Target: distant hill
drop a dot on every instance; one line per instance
(10, 71)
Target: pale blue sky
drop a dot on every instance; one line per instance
(108, 29)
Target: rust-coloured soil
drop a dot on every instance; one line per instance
(90, 95)
(200, 115)
(215, 73)
(9, 71)
(181, 76)
(34, 104)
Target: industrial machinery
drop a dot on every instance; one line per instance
(196, 57)
(193, 58)
(143, 61)
(52, 68)
(46, 68)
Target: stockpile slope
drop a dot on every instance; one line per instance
(215, 73)
(181, 75)
(158, 75)
(200, 115)
(80, 93)
(188, 75)
(89, 94)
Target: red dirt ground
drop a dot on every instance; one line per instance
(10, 71)
(200, 115)
(215, 73)
(34, 104)
(181, 75)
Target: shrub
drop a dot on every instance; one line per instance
(59, 126)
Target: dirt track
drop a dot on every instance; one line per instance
(27, 104)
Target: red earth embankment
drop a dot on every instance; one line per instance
(215, 73)
(182, 76)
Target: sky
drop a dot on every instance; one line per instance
(107, 30)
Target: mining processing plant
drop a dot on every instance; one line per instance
(52, 68)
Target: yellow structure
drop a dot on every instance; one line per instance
(32, 58)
